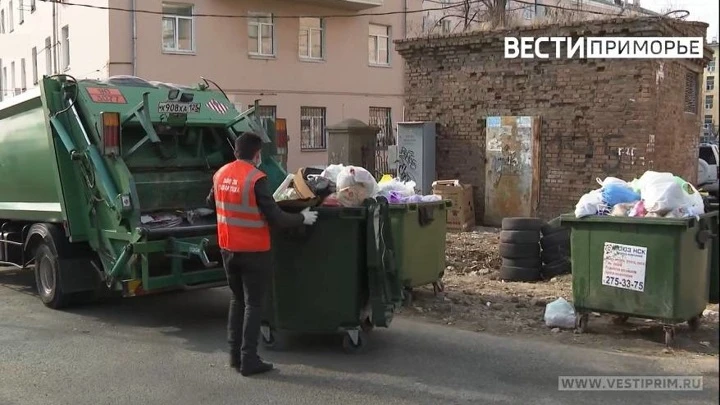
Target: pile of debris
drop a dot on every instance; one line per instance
(473, 252)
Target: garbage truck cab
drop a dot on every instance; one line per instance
(103, 184)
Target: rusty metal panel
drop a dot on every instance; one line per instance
(512, 167)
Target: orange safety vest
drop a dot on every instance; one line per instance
(240, 225)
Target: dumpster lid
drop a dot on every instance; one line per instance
(683, 222)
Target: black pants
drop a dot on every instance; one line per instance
(248, 274)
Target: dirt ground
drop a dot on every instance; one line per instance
(475, 299)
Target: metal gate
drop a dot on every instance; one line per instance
(381, 117)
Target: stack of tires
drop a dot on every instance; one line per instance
(520, 249)
(555, 245)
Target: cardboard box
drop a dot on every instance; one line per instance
(301, 186)
(461, 215)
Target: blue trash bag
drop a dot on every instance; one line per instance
(614, 194)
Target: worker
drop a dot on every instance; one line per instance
(246, 210)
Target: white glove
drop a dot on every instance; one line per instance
(309, 217)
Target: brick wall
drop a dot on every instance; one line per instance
(599, 117)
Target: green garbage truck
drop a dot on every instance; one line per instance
(103, 185)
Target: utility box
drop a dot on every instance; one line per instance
(416, 154)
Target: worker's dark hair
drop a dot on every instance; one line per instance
(247, 145)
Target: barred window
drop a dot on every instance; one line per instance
(691, 92)
(312, 128)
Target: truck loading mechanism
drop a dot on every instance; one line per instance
(103, 184)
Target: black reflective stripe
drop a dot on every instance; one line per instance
(244, 223)
(240, 208)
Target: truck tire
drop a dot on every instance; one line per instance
(522, 274)
(46, 277)
(519, 250)
(533, 263)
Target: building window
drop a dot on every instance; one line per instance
(48, 56)
(34, 66)
(378, 45)
(708, 121)
(381, 117)
(2, 21)
(21, 12)
(23, 76)
(312, 38)
(33, 6)
(11, 18)
(178, 28)
(445, 26)
(265, 111)
(708, 102)
(13, 85)
(65, 46)
(261, 35)
(710, 84)
(691, 93)
(312, 128)
(711, 66)
(4, 88)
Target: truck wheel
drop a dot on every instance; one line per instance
(46, 277)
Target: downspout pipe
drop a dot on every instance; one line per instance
(134, 37)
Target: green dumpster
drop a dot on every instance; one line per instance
(419, 238)
(714, 285)
(337, 276)
(654, 268)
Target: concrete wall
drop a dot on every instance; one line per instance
(599, 117)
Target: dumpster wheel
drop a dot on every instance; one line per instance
(581, 321)
(669, 335)
(694, 323)
(353, 342)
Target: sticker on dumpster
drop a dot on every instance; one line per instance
(624, 266)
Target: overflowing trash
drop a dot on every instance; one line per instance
(653, 195)
(346, 186)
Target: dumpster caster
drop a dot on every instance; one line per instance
(438, 287)
(581, 321)
(407, 297)
(669, 335)
(620, 319)
(694, 323)
(366, 325)
(353, 342)
(269, 338)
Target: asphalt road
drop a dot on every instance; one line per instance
(170, 349)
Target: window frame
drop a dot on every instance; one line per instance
(176, 31)
(710, 80)
(11, 18)
(2, 21)
(21, 12)
(253, 15)
(49, 68)
(709, 101)
(305, 115)
(387, 37)
(65, 48)
(23, 76)
(34, 61)
(33, 6)
(309, 30)
(711, 66)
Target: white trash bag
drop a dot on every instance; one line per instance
(560, 314)
(589, 204)
(663, 195)
(354, 175)
(331, 172)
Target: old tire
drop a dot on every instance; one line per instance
(552, 227)
(524, 274)
(47, 274)
(557, 238)
(521, 224)
(533, 263)
(519, 250)
(555, 269)
(519, 237)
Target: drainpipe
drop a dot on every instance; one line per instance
(134, 38)
(54, 46)
(405, 19)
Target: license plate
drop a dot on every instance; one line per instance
(174, 107)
